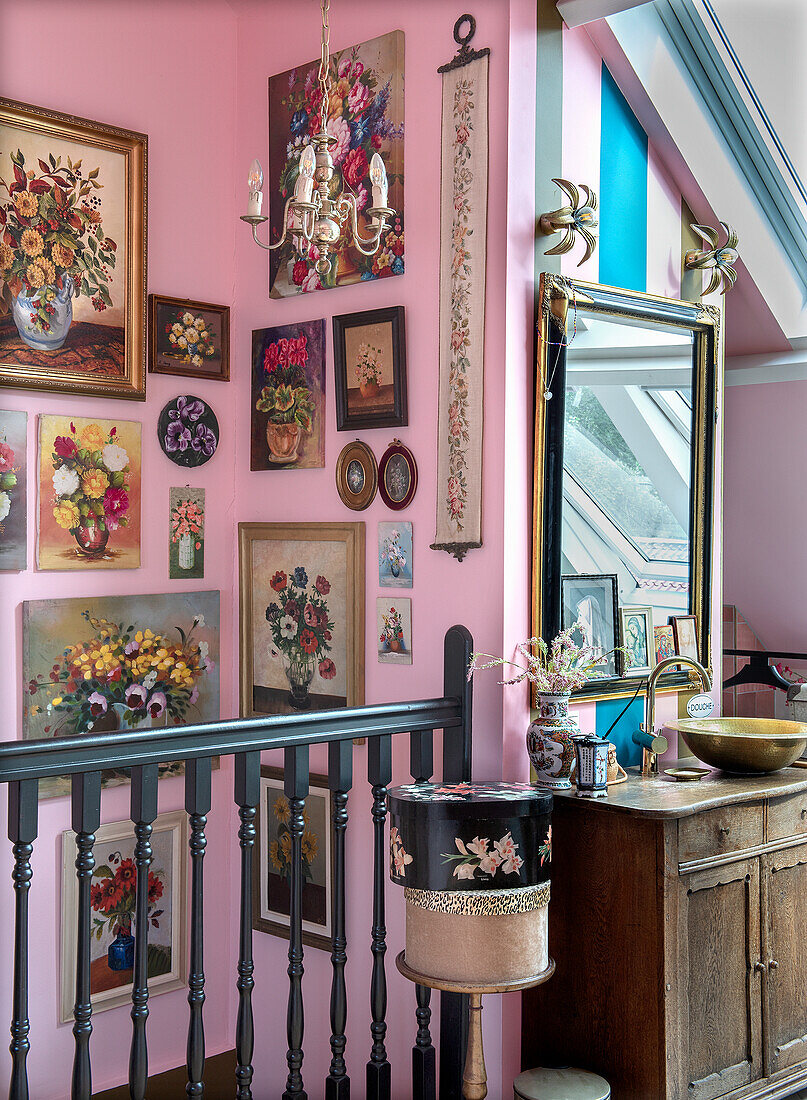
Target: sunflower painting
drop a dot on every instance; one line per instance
(273, 855)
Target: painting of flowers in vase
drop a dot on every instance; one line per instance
(13, 477)
(112, 913)
(288, 397)
(89, 493)
(302, 616)
(394, 630)
(72, 253)
(108, 663)
(365, 115)
(186, 548)
(395, 554)
(272, 877)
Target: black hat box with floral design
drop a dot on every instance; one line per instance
(474, 860)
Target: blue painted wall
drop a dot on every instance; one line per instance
(608, 710)
(623, 192)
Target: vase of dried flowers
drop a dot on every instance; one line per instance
(555, 671)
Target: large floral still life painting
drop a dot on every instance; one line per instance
(365, 116)
(113, 922)
(89, 493)
(72, 253)
(13, 488)
(288, 397)
(109, 663)
(302, 616)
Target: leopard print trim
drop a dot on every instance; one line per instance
(489, 903)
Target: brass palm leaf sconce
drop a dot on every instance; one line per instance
(578, 218)
(720, 259)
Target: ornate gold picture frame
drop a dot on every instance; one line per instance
(73, 246)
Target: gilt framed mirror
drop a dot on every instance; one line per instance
(625, 423)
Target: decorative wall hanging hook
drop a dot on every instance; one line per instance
(719, 259)
(580, 217)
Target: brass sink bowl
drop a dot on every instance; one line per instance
(746, 746)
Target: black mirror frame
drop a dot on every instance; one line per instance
(557, 295)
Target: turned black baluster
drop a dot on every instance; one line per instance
(340, 780)
(143, 812)
(197, 805)
(379, 773)
(456, 767)
(424, 1080)
(295, 783)
(86, 819)
(247, 793)
(22, 828)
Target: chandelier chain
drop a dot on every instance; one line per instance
(324, 78)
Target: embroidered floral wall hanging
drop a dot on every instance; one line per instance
(463, 239)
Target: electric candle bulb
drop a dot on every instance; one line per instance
(304, 186)
(378, 178)
(255, 181)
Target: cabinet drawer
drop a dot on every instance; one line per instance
(787, 816)
(715, 832)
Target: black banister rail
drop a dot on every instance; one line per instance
(84, 757)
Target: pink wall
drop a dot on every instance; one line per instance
(155, 67)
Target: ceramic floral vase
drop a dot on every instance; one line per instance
(29, 325)
(299, 671)
(120, 953)
(549, 742)
(283, 441)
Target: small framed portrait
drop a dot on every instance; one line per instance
(369, 353)
(191, 339)
(685, 630)
(638, 638)
(112, 913)
(271, 881)
(589, 601)
(665, 643)
(356, 476)
(397, 476)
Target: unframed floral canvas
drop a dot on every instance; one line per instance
(288, 397)
(395, 554)
(13, 490)
(394, 630)
(134, 687)
(365, 115)
(89, 493)
(186, 533)
(112, 896)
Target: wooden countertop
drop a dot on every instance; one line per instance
(664, 798)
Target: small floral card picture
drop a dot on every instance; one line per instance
(395, 554)
(288, 397)
(13, 511)
(394, 630)
(272, 878)
(191, 339)
(89, 493)
(186, 544)
(112, 913)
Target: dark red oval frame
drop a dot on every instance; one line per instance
(397, 448)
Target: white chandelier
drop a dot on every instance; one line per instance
(311, 215)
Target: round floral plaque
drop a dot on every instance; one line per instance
(188, 431)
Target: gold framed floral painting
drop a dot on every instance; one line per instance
(271, 882)
(73, 201)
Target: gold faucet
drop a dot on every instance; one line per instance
(655, 743)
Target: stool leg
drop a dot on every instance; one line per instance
(474, 1078)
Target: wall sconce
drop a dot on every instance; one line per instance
(579, 217)
(720, 260)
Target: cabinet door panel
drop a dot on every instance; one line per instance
(722, 908)
(785, 909)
